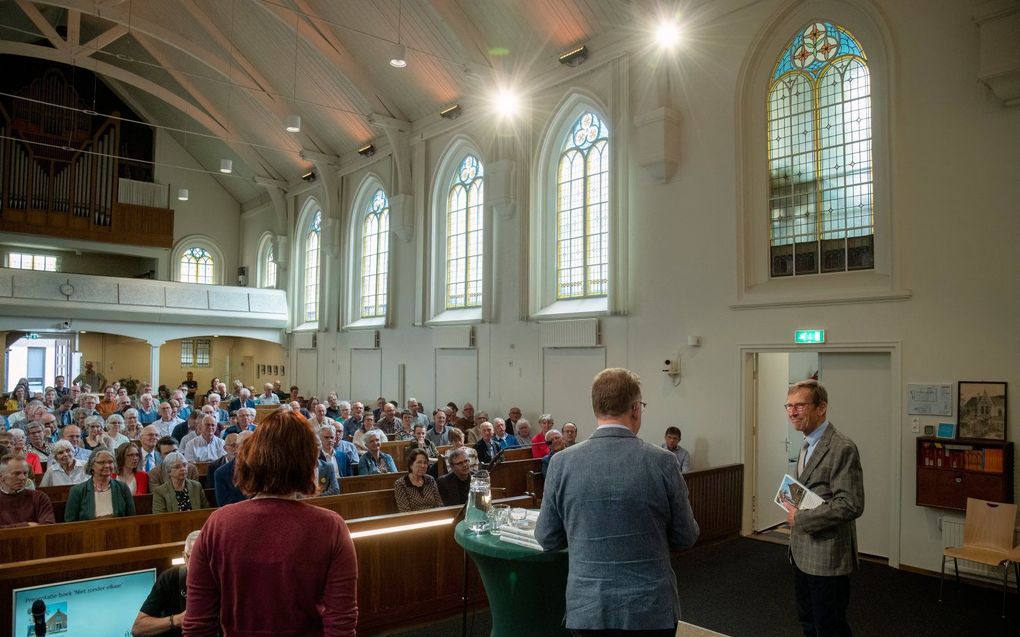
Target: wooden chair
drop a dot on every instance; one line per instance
(987, 539)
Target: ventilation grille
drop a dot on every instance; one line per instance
(576, 333)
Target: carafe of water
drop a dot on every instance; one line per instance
(479, 502)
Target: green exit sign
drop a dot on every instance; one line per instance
(809, 336)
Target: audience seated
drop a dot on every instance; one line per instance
(244, 420)
(456, 437)
(213, 400)
(417, 490)
(554, 439)
(148, 410)
(129, 457)
(333, 407)
(108, 404)
(20, 506)
(207, 446)
(500, 435)
(162, 611)
(325, 474)
(367, 425)
(439, 435)
(63, 468)
(19, 446)
(417, 415)
(329, 453)
(178, 493)
(37, 442)
(223, 478)
(167, 422)
(114, 426)
(159, 475)
(355, 421)
(100, 496)
(96, 433)
(132, 426)
(524, 432)
(569, 434)
(388, 422)
(422, 442)
(468, 420)
(72, 434)
(672, 444)
(454, 486)
(539, 448)
(474, 434)
(406, 429)
(373, 460)
(487, 447)
(243, 399)
(268, 396)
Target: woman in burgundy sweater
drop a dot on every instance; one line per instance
(274, 565)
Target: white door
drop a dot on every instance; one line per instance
(772, 439)
(366, 376)
(456, 377)
(860, 406)
(307, 373)
(567, 374)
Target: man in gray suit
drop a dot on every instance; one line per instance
(823, 540)
(619, 505)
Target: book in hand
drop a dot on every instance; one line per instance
(793, 492)
(522, 534)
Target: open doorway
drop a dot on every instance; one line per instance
(39, 358)
(860, 386)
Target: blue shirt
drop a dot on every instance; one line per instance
(812, 440)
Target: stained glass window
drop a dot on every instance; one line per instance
(582, 210)
(820, 168)
(375, 255)
(311, 304)
(269, 267)
(464, 233)
(196, 266)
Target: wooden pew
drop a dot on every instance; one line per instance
(397, 449)
(261, 411)
(373, 482)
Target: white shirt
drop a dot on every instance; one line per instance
(166, 427)
(198, 450)
(104, 502)
(55, 475)
(271, 399)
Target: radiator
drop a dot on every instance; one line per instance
(952, 535)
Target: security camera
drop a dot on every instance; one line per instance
(66, 325)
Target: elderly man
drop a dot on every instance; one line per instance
(569, 434)
(319, 417)
(243, 400)
(486, 446)
(60, 385)
(620, 531)
(222, 417)
(108, 404)
(475, 433)
(184, 406)
(355, 422)
(512, 418)
(124, 404)
(161, 473)
(223, 478)
(20, 506)
(326, 480)
(438, 435)
(88, 404)
(245, 422)
(454, 486)
(268, 396)
(230, 445)
(416, 414)
(468, 420)
(504, 439)
(72, 434)
(166, 422)
(90, 377)
(148, 440)
(328, 452)
(207, 446)
(388, 421)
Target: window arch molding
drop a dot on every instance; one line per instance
(369, 185)
(457, 149)
(300, 261)
(266, 247)
(198, 241)
(755, 287)
(542, 293)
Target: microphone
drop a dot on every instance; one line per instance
(39, 617)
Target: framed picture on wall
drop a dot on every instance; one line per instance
(981, 410)
(258, 371)
(276, 370)
(283, 370)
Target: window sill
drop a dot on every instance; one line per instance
(574, 308)
(372, 323)
(457, 317)
(307, 327)
(822, 289)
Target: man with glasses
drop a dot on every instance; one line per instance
(823, 540)
(620, 504)
(454, 486)
(72, 434)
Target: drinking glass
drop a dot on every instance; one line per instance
(498, 516)
(517, 516)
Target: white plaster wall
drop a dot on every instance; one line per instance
(955, 164)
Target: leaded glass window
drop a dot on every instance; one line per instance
(311, 304)
(196, 266)
(464, 230)
(582, 210)
(820, 168)
(31, 262)
(269, 267)
(375, 255)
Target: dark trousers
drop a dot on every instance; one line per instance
(821, 604)
(615, 632)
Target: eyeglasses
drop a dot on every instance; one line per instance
(643, 404)
(461, 463)
(796, 406)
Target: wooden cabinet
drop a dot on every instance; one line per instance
(950, 471)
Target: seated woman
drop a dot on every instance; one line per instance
(423, 443)
(95, 435)
(367, 425)
(63, 468)
(405, 430)
(132, 428)
(19, 447)
(100, 496)
(417, 490)
(456, 437)
(374, 460)
(128, 457)
(178, 493)
(114, 425)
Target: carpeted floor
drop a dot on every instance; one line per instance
(744, 588)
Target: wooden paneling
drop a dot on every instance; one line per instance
(716, 498)
(130, 225)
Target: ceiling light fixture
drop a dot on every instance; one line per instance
(451, 112)
(575, 56)
(293, 123)
(667, 34)
(506, 102)
(182, 194)
(398, 57)
(309, 176)
(226, 166)
(367, 150)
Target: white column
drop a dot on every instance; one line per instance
(154, 364)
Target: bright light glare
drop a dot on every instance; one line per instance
(506, 102)
(667, 34)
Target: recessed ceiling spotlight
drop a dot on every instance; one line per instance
(398, 59)
(226, 166)
(367, 150)
(182, 194)
(293, 123)
(575, 56)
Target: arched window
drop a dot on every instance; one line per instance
(582, 210)
(465, 226)
(196, 266)
(820, 194)
(267, 262)
(310, 289)
(375, 256)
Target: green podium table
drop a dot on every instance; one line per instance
(526, 588)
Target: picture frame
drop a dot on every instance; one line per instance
(981, 410)
(946, 431)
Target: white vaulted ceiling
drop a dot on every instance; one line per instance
(224, 74)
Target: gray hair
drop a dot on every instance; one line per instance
(172, 457)
(95, 455)
(93, 420)
(549, 434)
(130, 412)
(546, 418)
(453, 454)
(17, 433)
(373, 433)
(344, 404)
(62, 445)
(214, 395)
(330, 429)
(114, 418)
(248, 410)
(190, 542)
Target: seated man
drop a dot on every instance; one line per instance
(325, 474)
(329, 453)
(148, 440)
(319, 417)
(569, 434)
(230, 445)
(268, 396)
(222, 417)
(500, 435)
(245, 422)
(160, 474)
(439, 435)
(166, 421)
(163, 610)
(672, 445)
(487, 447)
(108, 404)
(388, 422)
(72, 434)
(207, 446)
(223, 478)
(454, 486)
(474, 434)
(20, 506)
(243, 400)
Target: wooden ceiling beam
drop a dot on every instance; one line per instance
(44, 26)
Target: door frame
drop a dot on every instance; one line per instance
(746, 433)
